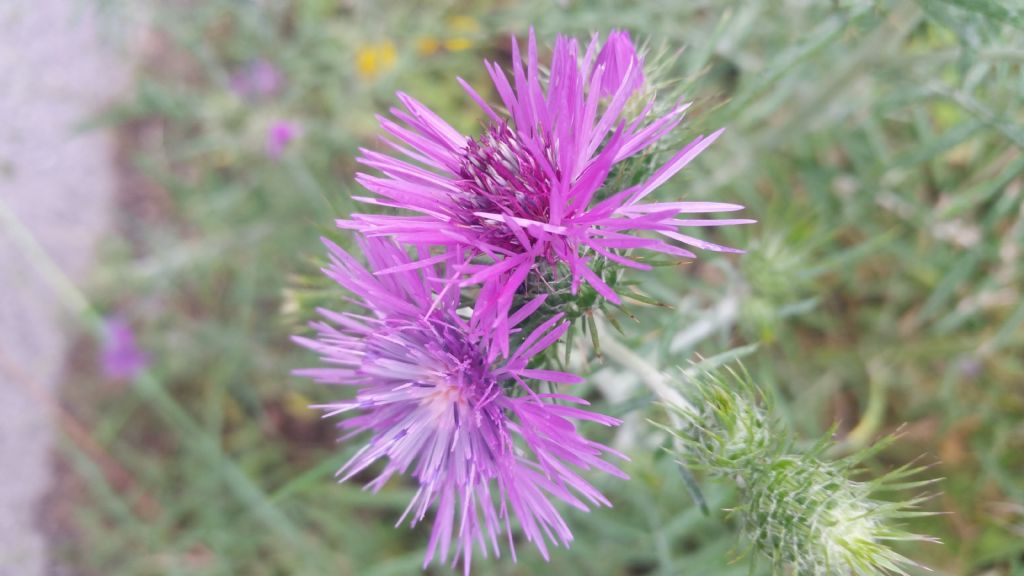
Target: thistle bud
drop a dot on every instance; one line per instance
(803, 512)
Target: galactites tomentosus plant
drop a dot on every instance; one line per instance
(500, 241)
(804, 512)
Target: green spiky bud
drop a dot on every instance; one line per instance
(774, 267)
(802, 511)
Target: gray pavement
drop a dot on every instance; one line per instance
(55, 72)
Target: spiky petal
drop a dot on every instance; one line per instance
(622, 64)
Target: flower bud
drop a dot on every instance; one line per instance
(803, 512)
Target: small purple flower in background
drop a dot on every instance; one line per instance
(443, 406)
(257, 80)
(121, 356)
(535, 187)
(280, 134)
(621, 63)
(970, 367)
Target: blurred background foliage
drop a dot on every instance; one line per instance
(879, 144)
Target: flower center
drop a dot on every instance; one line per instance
(501, 175)
(445, 370)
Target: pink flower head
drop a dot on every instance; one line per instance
(258, 79)
(623, 67)
(441, 405)
(121, 356)
(536, 186)
(280, 134)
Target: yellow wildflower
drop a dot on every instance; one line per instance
(427, 45)
(458, 44)
(465, 28)
(376, 58)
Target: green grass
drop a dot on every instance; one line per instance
(878, 144)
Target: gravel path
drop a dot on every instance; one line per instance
(59, 181)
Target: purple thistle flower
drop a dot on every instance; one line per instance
(120, 355)
(443, 406)
(256, 80)
(535, 186)
(279, 136)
